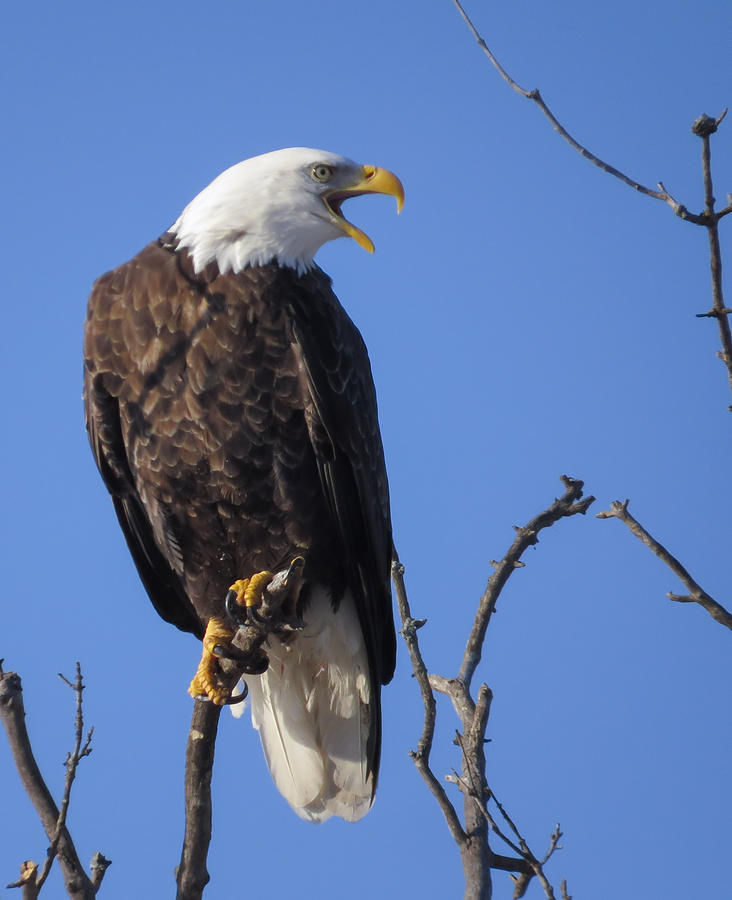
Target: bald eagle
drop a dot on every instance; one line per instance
(232, 414)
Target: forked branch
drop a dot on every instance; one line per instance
(12, 713)
(471, 834)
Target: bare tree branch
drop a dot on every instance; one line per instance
(72, 762)
(619, 510)
(532, 865)
(535, 95)
(568, 505)
(704, 127)
(27, 880)
(472, 836)
(192, 875)
(12, 713)
(99, 865)
(421, 756)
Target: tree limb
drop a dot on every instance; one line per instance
(472, 837)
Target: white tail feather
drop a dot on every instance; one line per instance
(312, 710)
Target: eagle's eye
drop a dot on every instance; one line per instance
(321, 172)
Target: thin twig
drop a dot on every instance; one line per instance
(532, 866)
(704, 127)
(421, 757)
(619, 510)
(72, 763)
(536, 865)
(469, 791)
(535, 95)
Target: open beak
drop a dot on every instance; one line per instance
(373, 181)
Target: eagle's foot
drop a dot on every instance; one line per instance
(207, 681)
(210, 681)
(245, 594)
(259, 601)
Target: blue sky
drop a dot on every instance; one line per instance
(526, 316)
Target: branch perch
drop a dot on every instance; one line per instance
(192, 875)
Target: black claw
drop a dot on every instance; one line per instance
(276, 622)
(233, 610)
(254, 663)
(257, 666)
(230, 701)
(237, 698)
(253, 618)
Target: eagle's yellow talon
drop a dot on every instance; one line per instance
(249, 590)
(205, 681)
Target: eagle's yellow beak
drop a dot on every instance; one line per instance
(373, 181)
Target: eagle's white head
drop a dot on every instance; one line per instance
(280, 206)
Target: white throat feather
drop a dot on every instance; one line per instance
(264, 209)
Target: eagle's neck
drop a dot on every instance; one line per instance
(236, 249)
(239, 222)
(312, 278)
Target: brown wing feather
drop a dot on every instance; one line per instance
(103, 348)
(344, 430)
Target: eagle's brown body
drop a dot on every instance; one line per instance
(233, 418)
